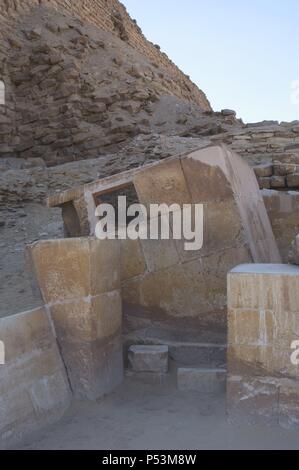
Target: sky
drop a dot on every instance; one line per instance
(244, 54)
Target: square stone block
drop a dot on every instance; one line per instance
(73, 268)
(147, 358)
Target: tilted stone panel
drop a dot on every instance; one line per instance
(80, 283)
(34, 389)
(263, 322)
(236, 229)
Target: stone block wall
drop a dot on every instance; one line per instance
(263, 322)
(34, 389)
(282, 174)
(80, 284)
(192, 284)
(283, 211)
(160, 279)
(111, 16)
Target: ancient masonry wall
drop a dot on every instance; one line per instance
(262, 384)
(111, 16)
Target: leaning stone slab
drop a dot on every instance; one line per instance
(202, 380)
(80, 283)
(161, 275)
(147, 358)
(34, 389)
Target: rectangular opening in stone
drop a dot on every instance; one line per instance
(111, 195)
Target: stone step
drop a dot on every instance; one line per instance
(201, 379)
(148, 358)
(196, 350)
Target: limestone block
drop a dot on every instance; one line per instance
(202, 380)
(277, 182)
(81, 285)
(217, 174)
(131, 259)
(283, 212)
(263, 321)
(293, 180)
(76, 267)
(263, 318)
(148, 358)
(283, 169)
(95, 367)
(161, 275)
(163, 183)
(34, 389)
(263, 170)
(195, 289)
(264, 182)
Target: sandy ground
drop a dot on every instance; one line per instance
(156, 416)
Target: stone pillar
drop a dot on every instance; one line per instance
(80, 283)
(263, 325)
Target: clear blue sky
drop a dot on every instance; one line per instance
(244, 54)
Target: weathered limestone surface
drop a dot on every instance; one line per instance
(283, 211)
(263, 322)
(201, 379)
(159, 277)
(148, 358)
(282, 173)
(236, 227)
(80, 284)
(34, 390)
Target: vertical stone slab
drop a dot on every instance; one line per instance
(34, 389)
(263, 322)
(80, 283)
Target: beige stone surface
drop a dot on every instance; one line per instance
(75, 267)
(162, 184)
(263, 322)
(131, 259)
(34, 389)
(236, 229)
(283, 211)
(81, 286)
